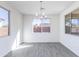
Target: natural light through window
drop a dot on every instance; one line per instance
(4, 22)
(41, 25)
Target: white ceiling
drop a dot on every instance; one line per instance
(31, 7)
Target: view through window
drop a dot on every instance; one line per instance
(72, 22)
(41, 25)
(4, 22)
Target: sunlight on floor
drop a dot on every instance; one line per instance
(17, 40)
(16, 44)
(22, 46)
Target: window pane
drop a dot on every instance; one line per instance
(68, 23)
(41, 25)
(37, 25)
(45, 29)
(75, 26)
(3, 22)
(45, 21)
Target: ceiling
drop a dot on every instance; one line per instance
(31, 7)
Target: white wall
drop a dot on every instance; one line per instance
(30, 36)
(7, 42)
(70, 41)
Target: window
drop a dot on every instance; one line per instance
(41, 25)
(4, 22)
(68, 23)
(72, 23)
(75, 26)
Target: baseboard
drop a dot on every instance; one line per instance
(38, 42)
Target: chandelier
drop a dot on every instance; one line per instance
(42, 14)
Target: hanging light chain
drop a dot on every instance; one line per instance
(42, 11)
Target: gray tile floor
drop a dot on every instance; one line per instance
(42, 50)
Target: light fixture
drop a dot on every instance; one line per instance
(42, 14)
